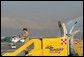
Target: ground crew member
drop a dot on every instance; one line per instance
(25, 35)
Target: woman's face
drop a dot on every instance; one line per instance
(24, 30)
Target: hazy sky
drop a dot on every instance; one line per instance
(37, 16)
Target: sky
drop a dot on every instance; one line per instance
(40, 17)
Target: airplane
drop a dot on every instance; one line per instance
(70, 35)
(14, 39)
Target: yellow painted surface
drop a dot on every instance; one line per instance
(56, 44)
(79, 47)
(41, 50)
(35, 53)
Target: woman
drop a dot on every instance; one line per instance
(26, 35)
